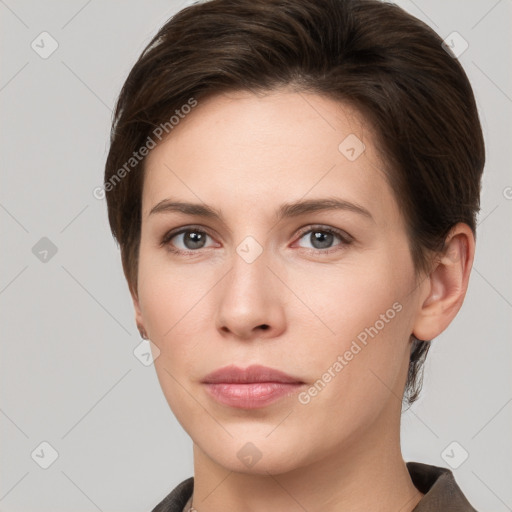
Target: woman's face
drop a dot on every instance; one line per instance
(326, 295)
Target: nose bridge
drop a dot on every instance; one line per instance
(250, 276)
(249, 297)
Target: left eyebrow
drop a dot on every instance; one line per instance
(314, 205)
(293, 209)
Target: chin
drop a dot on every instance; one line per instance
(259, 456)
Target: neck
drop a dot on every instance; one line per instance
(366, 473)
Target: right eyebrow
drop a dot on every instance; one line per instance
(167, 206)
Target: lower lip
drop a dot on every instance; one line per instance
(251, 395)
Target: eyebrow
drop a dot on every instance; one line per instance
(286, 210)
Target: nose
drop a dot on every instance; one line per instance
(251, 300)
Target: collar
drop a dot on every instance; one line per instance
(438, 485)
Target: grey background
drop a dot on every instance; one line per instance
(68, 373)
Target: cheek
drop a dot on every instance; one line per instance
(347, 300)
(169, 297)
(363, 334)
(171, 306)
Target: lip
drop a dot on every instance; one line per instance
(250, 388)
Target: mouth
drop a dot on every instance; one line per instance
(250, 388)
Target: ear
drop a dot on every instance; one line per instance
(446, 285)
(138, 313)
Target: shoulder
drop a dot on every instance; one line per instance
(177, 498)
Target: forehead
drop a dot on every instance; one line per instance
(253, 150)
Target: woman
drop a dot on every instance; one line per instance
(294, 187)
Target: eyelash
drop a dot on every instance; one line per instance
(345, 238)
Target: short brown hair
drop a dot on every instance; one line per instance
(371, 54)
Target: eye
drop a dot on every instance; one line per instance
(190, 239)
(321, 238)
(187, 240)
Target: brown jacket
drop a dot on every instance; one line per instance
(442, 494)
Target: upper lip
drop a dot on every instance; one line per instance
(253, 373)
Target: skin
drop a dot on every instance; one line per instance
(245, 155)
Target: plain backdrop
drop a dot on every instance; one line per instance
(69, 376)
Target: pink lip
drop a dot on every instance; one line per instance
(249, 388)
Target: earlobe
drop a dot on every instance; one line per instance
(447, 284)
